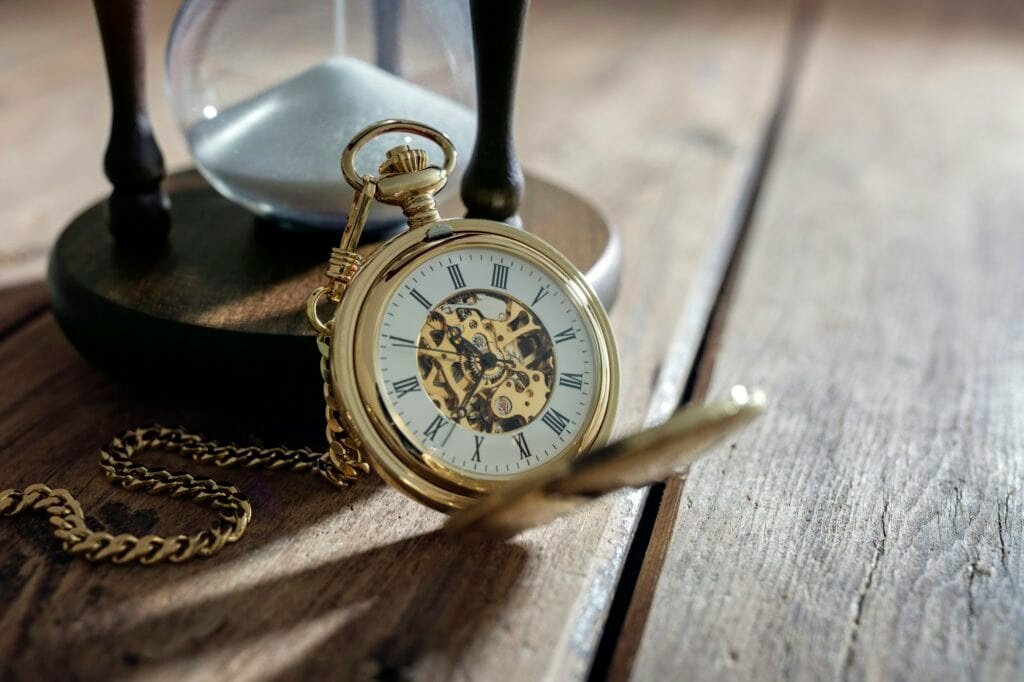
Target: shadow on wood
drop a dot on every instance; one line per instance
(377, 614)
(216, 313)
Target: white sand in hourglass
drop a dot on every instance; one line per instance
(277, 152)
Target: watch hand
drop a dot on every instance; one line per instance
(471, 392)
(493, 338)
(432, 350)
(451, 352)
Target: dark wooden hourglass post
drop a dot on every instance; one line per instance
(386, 20)
(492, 186)
(139, 210)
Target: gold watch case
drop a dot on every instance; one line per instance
(387, 442)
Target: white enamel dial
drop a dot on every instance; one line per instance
(484, 358)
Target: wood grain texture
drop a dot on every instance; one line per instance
(661, 128)
(20, 304)
(870, 527)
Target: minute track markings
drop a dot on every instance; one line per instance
(404, 352)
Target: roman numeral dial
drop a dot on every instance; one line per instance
(486, 363)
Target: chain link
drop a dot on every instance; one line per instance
(341, 464)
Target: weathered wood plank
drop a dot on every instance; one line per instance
(870, 527)
(20, 304)
(658, 113)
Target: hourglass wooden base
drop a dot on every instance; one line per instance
(217, 310)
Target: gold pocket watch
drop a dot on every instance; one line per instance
(466, 361)
(463, 354)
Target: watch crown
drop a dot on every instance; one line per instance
(404, 159)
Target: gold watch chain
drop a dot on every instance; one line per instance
(341, 464)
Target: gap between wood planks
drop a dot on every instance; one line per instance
(631, 604)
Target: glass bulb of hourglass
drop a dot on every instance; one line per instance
(268, 92)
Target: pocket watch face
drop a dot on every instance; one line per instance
(471, 357)
(487, 361)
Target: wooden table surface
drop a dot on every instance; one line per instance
(821, 198)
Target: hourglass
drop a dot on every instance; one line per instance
(193, 280)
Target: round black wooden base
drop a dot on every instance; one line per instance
(216, 314)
